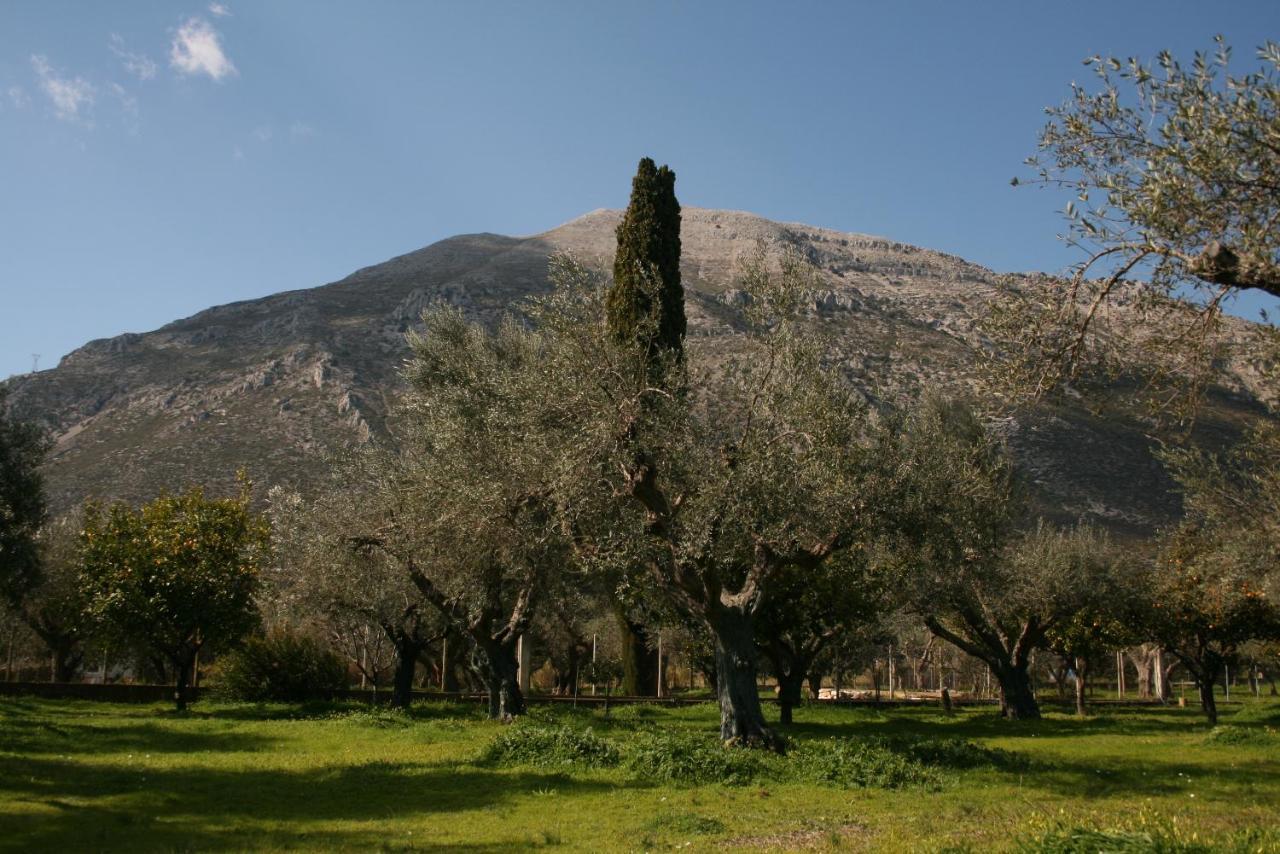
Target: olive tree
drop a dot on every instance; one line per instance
(56, 608)
(808, 609)
(977, 582)
(318, 574)
(717, 474)
(469, 507)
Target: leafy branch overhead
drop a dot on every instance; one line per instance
(1174, 172)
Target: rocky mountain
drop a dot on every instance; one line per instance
(273, 385)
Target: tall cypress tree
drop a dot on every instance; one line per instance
(647, 266)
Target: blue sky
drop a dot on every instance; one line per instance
(157, 158)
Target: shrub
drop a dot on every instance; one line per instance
(682, 757)
(862, 764)
(550, 746)
(283, 665)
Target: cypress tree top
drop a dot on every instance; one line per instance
(648, 265)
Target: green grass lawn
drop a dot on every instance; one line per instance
(82, 776)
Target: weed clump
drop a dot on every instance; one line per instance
(550, 747)
(682, 757)
(862, 764)
(1233, 735)
(1079, 840)
(957, 753)
(686, 822)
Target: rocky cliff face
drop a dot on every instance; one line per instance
(273, 385)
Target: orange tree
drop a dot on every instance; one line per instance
(176, 576)
(1210, 599)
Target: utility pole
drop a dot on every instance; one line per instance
(35, 362)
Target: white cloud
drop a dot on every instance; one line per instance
(263, 134)
(197, 49)
(70, 96)
(18, 97)
(237, 153)
(219, 10)
(301, 130)
(137, 64)
(128, 102)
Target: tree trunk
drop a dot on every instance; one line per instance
(407, 653)
(497, 667)
(1082, 669)
(639, 662)
(790, 692)
(741, 719)
(815, 685)
(183, 667)
(1060, 678)
(1207, 701)
(1017, 699)
(449, 658)
(65, 658)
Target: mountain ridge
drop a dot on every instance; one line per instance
(276, 383)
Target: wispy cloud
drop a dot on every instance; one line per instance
(137, 64)
(301, 130)
(18, 97)
(197, 49)
(128, 102)
(219, 10)
(71, 96)
(263, 134)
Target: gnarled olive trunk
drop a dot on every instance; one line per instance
(741, 718)
(496, 665)
(1017, 698)
(407, 652)
(639, 661)
(1007, 653)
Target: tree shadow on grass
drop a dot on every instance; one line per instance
(1157, 774)
(36, 737)
(991, 725)
(96, 807)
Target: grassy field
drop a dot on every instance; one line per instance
(81, 776)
